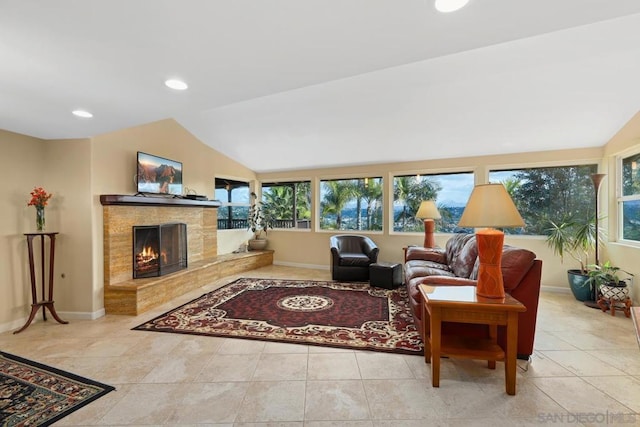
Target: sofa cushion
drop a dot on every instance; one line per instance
(456, 243)
(425, 270)
(421, 263)
(515, 263)
(415, 268)
(462, 263)
(426, 254)
(354, 259)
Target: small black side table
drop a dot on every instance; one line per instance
(47, 299)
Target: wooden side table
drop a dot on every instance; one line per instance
(47, 299)
(461, 304)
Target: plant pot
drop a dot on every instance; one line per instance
(258, 244)
(580, 287)
(618, 292)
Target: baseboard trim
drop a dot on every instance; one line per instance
(14, 325)
(295, 264)
(82, 315)
(556, 289)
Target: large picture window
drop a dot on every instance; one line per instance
(629, 200)
(559, 194)
(351, 204)
(450, 191)
(288, 203)
(235, 198)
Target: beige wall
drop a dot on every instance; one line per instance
(625, 256)
(23, 161)
(68, 174)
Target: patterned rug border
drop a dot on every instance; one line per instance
(56, 372)
(412, 333)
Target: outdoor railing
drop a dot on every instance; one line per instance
(234, 224)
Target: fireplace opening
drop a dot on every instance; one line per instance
(159, 249)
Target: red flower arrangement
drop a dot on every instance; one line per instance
(39, 197)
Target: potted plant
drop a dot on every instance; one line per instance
(259, 223)
(605, 279)
(578, 240)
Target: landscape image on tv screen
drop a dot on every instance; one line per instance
(158, 175)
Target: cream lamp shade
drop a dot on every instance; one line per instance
(427, 210)
(490, 206)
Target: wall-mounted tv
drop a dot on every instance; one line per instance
(158, 175)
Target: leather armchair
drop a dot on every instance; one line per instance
(351, 256)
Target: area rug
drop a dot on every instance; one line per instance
(32, 394)
(348, 315)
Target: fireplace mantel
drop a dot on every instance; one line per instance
(127, 200)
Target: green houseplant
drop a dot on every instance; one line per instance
(605, 278)
(259, 223)
(577, 240)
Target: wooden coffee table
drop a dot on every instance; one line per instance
(461, 304)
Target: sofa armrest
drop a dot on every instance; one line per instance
(425, 254)
(445, 281)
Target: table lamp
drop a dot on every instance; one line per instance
(490, 206)
(428, 212)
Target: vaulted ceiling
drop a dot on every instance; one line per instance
(292, 84)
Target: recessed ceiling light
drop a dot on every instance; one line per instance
(176, 84)
(82, 113)
(450, 5)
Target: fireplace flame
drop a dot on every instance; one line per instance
(146, 256)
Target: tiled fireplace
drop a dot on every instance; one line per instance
(122, 213)
(125, 295)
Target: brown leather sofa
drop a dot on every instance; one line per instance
(457, 264)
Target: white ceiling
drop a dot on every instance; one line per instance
(293, 84)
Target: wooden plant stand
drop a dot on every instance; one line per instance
(47, 297)
(610, 303)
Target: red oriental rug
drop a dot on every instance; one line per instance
(348, 315)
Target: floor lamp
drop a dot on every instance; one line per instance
(597, 180)
(490, 206)
(428, 212)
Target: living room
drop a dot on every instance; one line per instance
(222, 380)
(269, 137)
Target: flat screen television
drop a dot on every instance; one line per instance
(157, 175)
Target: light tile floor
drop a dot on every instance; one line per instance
(585, 371)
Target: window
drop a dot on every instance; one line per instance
(629, 200)
(351, 204)
(557, 194)
(235, 198)
(450, 191)
(288, 203)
